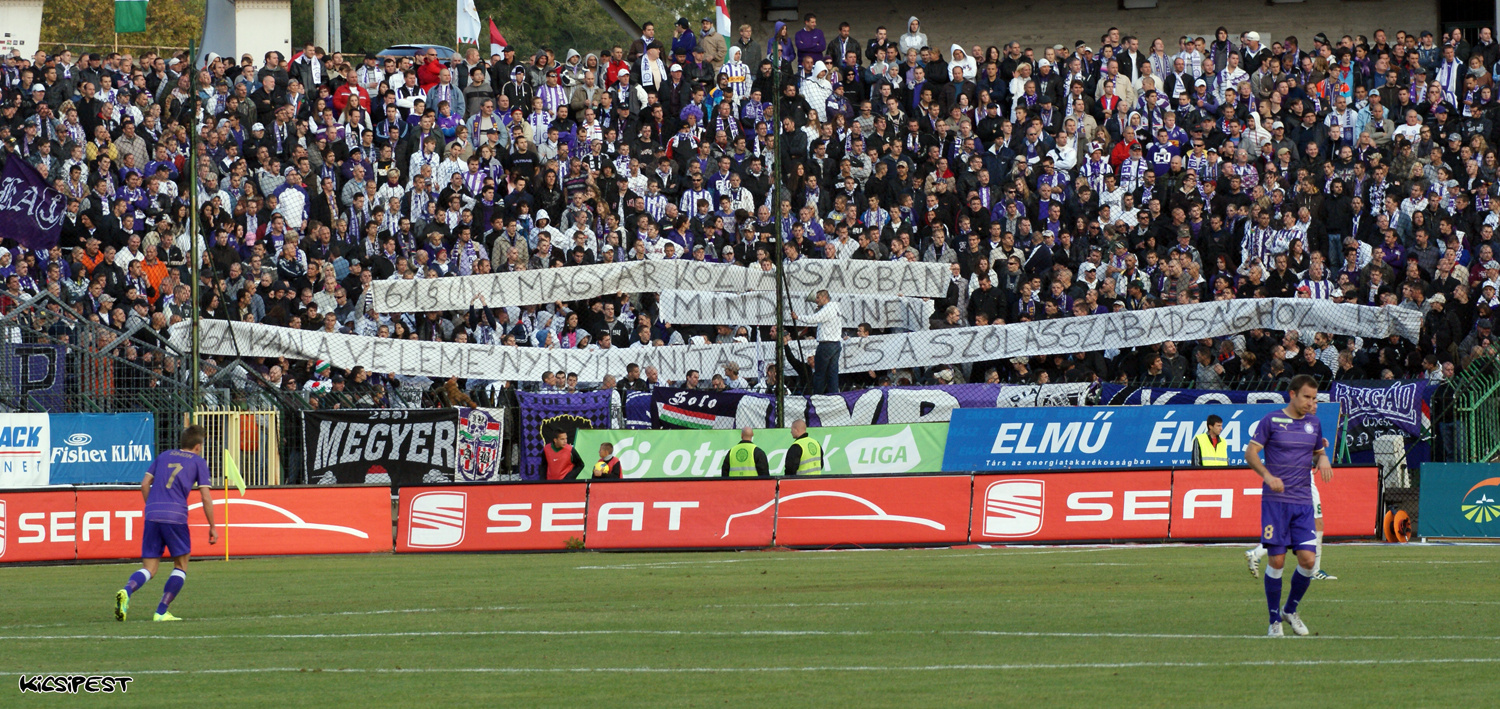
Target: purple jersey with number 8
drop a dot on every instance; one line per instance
(174, 474)
(1289, 445)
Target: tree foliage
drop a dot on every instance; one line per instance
(372, 25)
(75, 23)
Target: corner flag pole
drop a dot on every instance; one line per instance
(231, 477)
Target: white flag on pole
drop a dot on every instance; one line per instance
(468, 22)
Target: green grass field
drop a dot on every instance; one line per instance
(1073, 626)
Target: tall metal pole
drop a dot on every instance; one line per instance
(776, 241)
(335, 26)
(320, 24)
(195, 370)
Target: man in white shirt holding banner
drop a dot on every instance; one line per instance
(830, 321)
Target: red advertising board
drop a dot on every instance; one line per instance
(910, 510)
(532, 517)
(266, 521)
(37, 526)
(1225, 503)
(1072, 506)
(681, 514)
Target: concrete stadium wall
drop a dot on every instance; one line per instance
(1040, 24)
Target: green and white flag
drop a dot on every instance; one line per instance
(130, 15)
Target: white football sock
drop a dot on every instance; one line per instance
(1318, 554)
(1273, 572)
(1260, 552)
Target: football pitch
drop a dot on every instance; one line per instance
(1145, 625)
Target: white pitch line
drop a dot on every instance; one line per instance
(996, 552)
(812, 668)
(1430, 561)
(733, 633)
(329, 614)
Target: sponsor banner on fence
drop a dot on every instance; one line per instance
(877, 352)
(1056, 438)
(1224, 503)
(847, 450)
(62, 525)
(1459, 500)
(36, 375)
(25, 450)
(383, 446)
(852, 511)
(683, 408)
(479, 434)
(102, 448)
(681, 514)
(511, 517)
(580, 282)
(1072, 506)
(879, 311)
(41, 526)
(543, 415)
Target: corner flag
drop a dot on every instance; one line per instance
(232, 473)
(231, 476)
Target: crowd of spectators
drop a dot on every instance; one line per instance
(1061, 181)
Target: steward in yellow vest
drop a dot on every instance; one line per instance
(804, 456)
(746, 459)
(1209, 448)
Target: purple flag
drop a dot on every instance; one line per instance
(30, 211)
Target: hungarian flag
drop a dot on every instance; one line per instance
(686, 418)
(130, 16)
(721, 18)
(497, 40)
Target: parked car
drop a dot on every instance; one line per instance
(409, 50)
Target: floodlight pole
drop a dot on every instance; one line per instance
(778, 236)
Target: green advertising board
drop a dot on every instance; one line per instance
(1459, 500)
(848, 450)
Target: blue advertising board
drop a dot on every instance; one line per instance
(101, 448)
(1095, 437)
(1459, 500)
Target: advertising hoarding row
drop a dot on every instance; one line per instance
(815, 512)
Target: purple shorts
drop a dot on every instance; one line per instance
(1286, 525)
(174, 537)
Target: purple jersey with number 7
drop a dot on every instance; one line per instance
(1288, 450)
(174, 474)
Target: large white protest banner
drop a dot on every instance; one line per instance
(681, 307)
(917, 349)
(550, 285)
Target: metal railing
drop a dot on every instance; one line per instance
(253, 438)
(1475, 404)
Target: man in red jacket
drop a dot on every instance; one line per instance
(428, 68)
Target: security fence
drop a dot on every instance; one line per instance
(1473, 411)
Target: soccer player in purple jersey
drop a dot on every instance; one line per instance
(1292, 439)
(165, 488)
